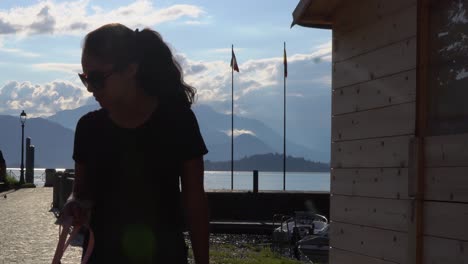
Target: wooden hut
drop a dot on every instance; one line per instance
(399, 180)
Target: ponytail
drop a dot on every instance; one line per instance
(159, 73)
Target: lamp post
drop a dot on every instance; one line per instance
(23, 120)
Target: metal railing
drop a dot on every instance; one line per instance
(12, 174)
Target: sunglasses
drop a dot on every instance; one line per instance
(95, 79)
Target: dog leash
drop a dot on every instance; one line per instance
(63, 242)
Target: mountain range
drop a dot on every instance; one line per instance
(268, 162)
(53, 137)
(53, 143)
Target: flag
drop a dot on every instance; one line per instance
(234, 62)
(285, 62)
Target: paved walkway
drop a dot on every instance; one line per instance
(27, 230)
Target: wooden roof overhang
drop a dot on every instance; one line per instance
(315, 13)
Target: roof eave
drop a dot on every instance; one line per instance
(312, 24)
(314, 13)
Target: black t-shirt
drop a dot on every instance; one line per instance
(2, 160)
(133, 175)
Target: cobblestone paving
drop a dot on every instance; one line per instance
(27, 230)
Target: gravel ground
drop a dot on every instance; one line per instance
(28, 233)
(27, 230)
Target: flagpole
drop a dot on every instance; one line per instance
(232, 122)
(284, 119)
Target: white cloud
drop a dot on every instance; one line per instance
(6, 28)
(74, 17)
(17, 52)
(299, 95)
(60, 67)
(226, 50)
(41, 100)
(45, 22)
(20, 52)
(323, 51)
(195, 22)
(213, 79)
(238, 132)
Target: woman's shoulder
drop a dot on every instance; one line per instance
(96, 116)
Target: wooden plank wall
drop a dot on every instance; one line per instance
(446, 205)
(373, 121)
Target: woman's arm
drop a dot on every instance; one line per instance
(80, 185)
(79, 202)
(196, 205)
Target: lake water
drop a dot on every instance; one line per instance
(243, 180)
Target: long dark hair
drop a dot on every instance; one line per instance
(159, 74)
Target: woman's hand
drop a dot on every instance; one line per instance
(76, 211)
(78, 206)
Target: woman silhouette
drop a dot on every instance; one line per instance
(132, 155)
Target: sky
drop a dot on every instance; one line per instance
(40, 50)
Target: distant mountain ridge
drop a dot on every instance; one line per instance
(215, 127)
(69, 118)
(53, 143)
(53, 137)
(212, 123)
(269, 162)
